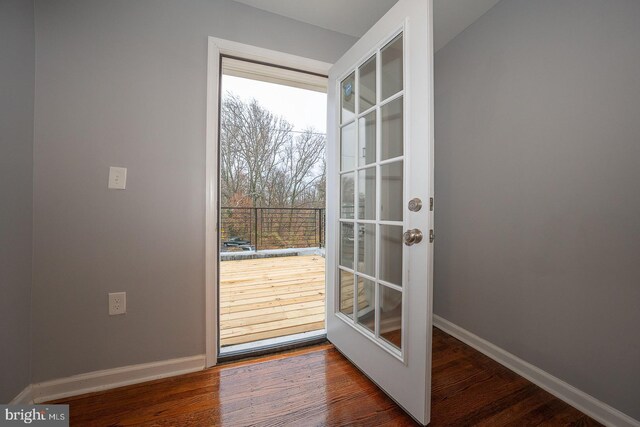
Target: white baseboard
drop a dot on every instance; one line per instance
(580, 400)
(112, 378)
(24, 398)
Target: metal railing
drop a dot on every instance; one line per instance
(271, 228)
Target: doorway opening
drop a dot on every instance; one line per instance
(271, 199)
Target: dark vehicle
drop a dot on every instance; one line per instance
(237, 242)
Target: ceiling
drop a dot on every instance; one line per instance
(354, 17)
(451, 17)
(351, 17)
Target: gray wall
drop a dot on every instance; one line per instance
(123, 83)
(17, 62)
(538, 188)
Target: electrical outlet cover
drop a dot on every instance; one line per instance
(117, 303)
(117, 178)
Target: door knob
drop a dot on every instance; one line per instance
(415, 204)
(411, 237)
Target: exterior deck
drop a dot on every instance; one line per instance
(270, 297)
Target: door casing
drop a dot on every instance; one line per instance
(217, 48)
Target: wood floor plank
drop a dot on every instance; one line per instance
(282, 291)
(230, 324)
(317, 386)
(275, 297)
(290, 276)
(270, 326)
(279, 309)
(273, 303)
(282, 332)
(267, 319)
(282, 284)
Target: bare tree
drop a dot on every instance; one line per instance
(264, 162)
(301, 157)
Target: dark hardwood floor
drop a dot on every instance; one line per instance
(468, 388)
(317, 386)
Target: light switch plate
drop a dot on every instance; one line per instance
(117, 178)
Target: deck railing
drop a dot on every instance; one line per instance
(271, 228)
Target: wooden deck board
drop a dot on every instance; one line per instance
(270, 297)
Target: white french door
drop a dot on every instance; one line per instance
(379, 216)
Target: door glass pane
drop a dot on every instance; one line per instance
(348, 147)
(391, 315)
(391, 130)
(368, 84)
(346, 245)
(391, 57)
(391, 192)
(372, 250)
(366, 303)
(367, 249)
(348, 98)
(367, 139)
(346, 292)
(347, 195)
(391, 254)
(367, 194)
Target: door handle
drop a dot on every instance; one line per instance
(411, 237)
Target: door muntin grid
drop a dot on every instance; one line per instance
(371, 217)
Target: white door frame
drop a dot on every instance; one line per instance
(218, 47)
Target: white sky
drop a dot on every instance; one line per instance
(302, 108)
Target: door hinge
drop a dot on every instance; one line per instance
(432, 236)
(431, 204)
